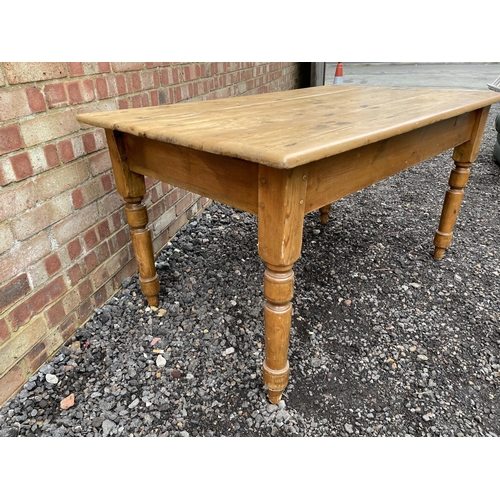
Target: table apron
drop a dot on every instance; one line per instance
(229, 180)
(333, 178)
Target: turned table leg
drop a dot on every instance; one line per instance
(132, 188)
(281, 217)
(278, 290)
(463, 156)
(324, 212)
(137, 218)
(452, 201)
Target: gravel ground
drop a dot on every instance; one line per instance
(385, 340)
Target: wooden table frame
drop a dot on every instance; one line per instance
(281, 196)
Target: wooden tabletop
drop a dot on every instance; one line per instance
(292, 128)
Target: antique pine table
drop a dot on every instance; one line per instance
(282, 155)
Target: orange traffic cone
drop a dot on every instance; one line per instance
(339, 74)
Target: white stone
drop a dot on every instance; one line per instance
(51, 379)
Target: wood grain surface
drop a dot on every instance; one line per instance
(291, 128)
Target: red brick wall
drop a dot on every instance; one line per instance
(64, 244)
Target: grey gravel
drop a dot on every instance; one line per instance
(385, 340)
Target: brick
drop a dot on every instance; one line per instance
(101, 86)
(21, 166)
(111, 86)
(165, 77)
(16, 199)
(85, 310)
(103, 251)
(41, 217)
(107, 182)
(13, 291)
(87, 90)
(24, 255)
(75, 94)
(100, 276)
(104, 67)
(65, 149)
(127, 66)
(21, 343)
(121, 84)
(51, 156)
(123, 104)
(13, 104)
(4, 331)
(10, 139)
(52, 265)
(75, 224)
(91, 261)
(37, 355)
(20, 315)
(56, 96)
(90, 239)
(75, 274)
(85, 289)
(11, 383)
(156, 79)
(76, 69)
(6, 238)
(122, 237)
(103, 229)
(117, 221)
(89, 143)
(24, 72)
(55, 314)
(48, 127)
(74, 249)
(60, 179)
(134, 82)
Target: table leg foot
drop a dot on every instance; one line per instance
(324, 212)
(439, 253)
(137, 218)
